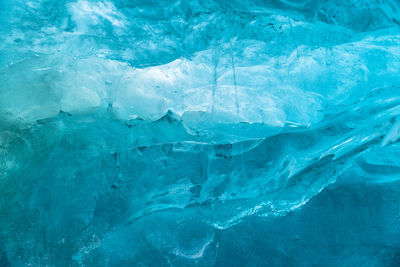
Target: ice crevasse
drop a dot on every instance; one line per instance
(200, 133)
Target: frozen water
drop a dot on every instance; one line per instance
(199, 133)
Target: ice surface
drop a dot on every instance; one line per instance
(200, 133)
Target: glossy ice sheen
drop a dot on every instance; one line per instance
(200, 133)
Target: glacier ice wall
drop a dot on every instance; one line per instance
(200, 133)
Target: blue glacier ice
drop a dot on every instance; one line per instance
(200, 133)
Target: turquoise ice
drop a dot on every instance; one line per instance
(200, 133)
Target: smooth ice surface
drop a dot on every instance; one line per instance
(200, 133)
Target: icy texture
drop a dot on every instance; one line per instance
(200, 133)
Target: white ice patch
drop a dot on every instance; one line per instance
(86, 13)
